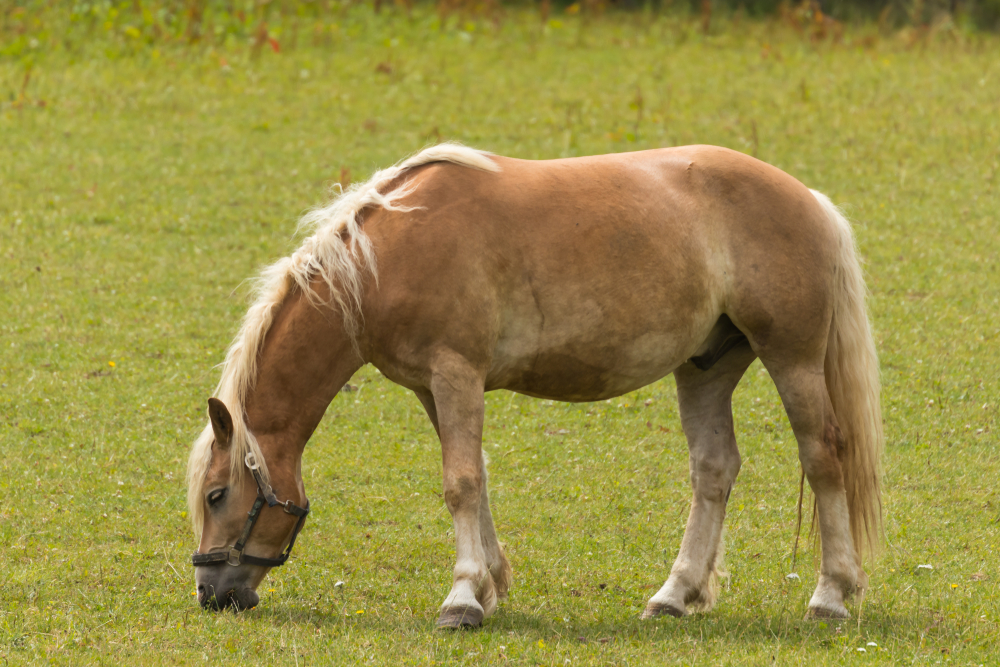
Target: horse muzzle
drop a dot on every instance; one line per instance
(217, 598)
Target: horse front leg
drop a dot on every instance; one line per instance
(705, 402)
(459, 408)
(496, 558)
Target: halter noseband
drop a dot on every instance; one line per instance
(265, 493)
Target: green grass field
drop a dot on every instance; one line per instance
(139, 188)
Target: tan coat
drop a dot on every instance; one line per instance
(581, 279)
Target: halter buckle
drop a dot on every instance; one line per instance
(251, 461)
(234, 557)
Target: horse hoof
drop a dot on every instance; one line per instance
(656, 609)
(819, 613)
(456, 618)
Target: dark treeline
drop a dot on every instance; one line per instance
(984, 14)
(197, 20)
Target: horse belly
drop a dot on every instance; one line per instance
(584, 358)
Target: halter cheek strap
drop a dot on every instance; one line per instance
(265, 494)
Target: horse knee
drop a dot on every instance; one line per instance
(712, 476)
(462, 491)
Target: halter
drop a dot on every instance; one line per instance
(265, 493)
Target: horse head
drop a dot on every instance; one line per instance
(245, 529)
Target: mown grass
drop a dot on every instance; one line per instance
(138, 191)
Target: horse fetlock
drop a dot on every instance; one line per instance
(473, 586)
(470, 601)
(703, 597)
(847, 577)
(861, 583)
(670, 600)
(828, 599)
(502, 573)
(488, 597)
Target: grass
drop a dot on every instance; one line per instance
(139, 189)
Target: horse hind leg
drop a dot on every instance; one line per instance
(821, 450)
(705, 403)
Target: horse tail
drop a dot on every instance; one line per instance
(854, 385)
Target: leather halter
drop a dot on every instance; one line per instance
(235, 555)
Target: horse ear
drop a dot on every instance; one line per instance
(222, 423)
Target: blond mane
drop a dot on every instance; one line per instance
(339, 253)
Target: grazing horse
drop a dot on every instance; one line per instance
(458, 272)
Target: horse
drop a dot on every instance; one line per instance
(458, 272)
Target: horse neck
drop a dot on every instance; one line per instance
(307, 357)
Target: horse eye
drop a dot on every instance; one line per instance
(216, 496)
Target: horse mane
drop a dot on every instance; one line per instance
(339, 253)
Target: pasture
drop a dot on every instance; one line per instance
(141, 185)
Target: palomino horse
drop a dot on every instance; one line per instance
(458, 272)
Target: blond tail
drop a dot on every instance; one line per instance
(852, 379)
